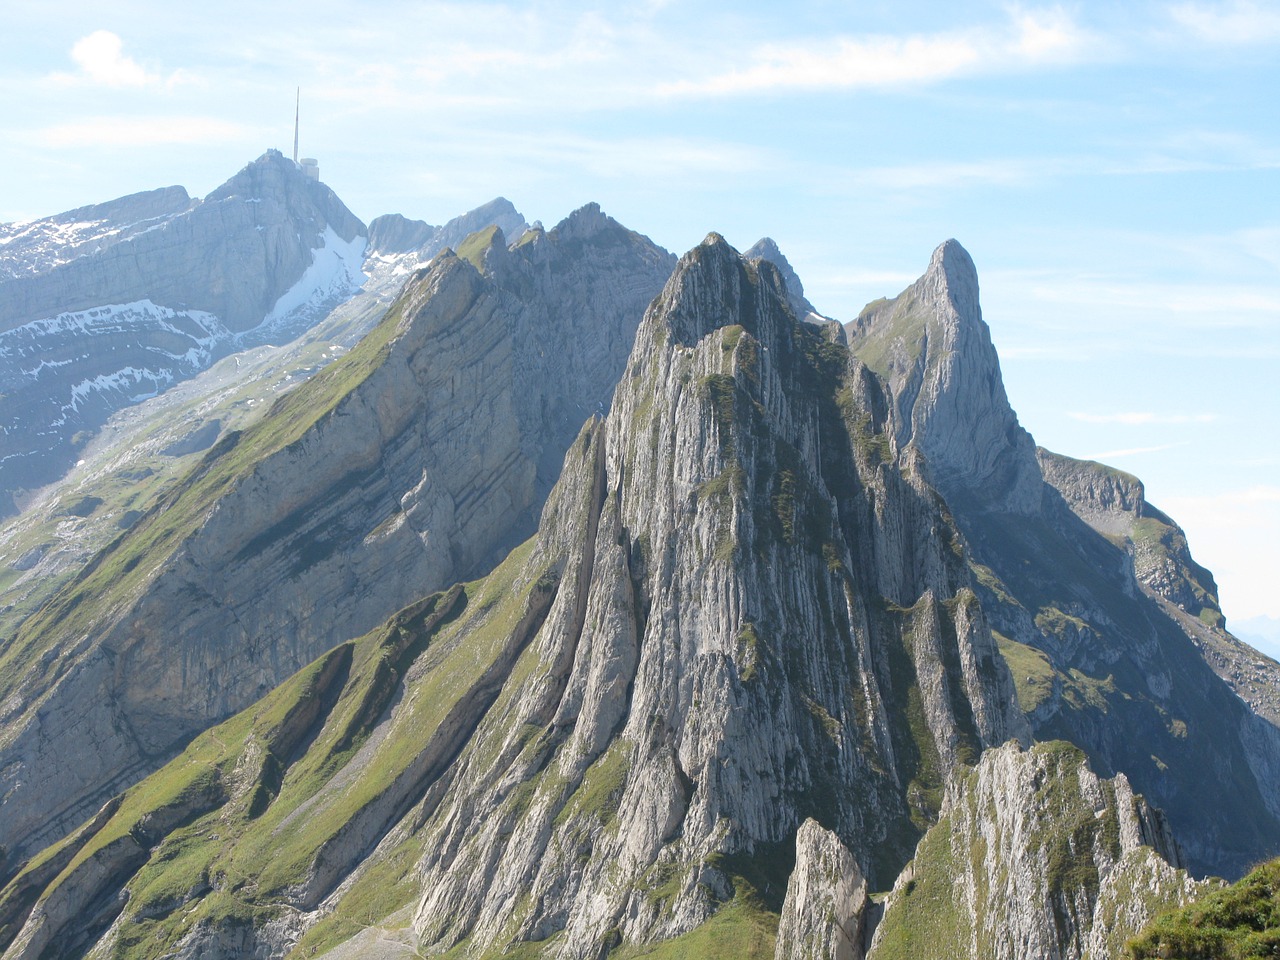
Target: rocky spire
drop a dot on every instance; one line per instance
(932, 346)
(766, 249)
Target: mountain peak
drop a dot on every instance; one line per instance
(585, 222)
(766, 249)
(713, 286)
(933, 347)
(952, 270)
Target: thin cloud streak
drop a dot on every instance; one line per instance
(1239, 23)
(1137, 418)
(1134, 451)
(1030, 40)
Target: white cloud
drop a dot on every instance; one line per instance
(141, 132)
(1239, 22)
(1030, 39)
(102, 62)
(1137, 418)
(101, 59)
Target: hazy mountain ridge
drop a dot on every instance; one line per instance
(1088, 614)
(106, 305)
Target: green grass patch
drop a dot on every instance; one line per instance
(1241, 922)
(742, 930)
(601, 788)
(1033, 674)
(473, 248)
(902, 334)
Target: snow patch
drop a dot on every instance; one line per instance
(336, 273)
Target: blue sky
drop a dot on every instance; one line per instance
(1114, 169)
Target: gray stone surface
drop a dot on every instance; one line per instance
(1035, 856)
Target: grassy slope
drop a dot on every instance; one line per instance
(259, 796)
(1236, 923)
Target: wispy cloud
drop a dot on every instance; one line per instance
(1238, 22)
(1139, 418)
(141, 132)
(1133, 451)
(1029, 39)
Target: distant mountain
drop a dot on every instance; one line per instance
(106, 305)
(811, 652)
(1262, 632)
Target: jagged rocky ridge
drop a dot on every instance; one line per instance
(402, 466)
(148, 446)
(1088, 616)
(746, 654)
(1034, 856)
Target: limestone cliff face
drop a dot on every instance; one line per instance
(106, 305)
(410, 462)
(752, 664)
(759, 619)
(823, 915)
(1104, 618)
(932, 346)
(1034, 856)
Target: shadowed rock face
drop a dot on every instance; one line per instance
(431, 456)
(109, 304)
(766, 249)
(1111, 624)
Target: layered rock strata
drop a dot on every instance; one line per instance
(105, 306)
(1082, 581)
(404, 465)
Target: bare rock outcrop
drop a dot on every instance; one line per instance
(822, 917)
(757, 623)
(107, 305)
(1034, 856)
(932, 346)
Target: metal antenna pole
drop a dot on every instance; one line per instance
(296, 106)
